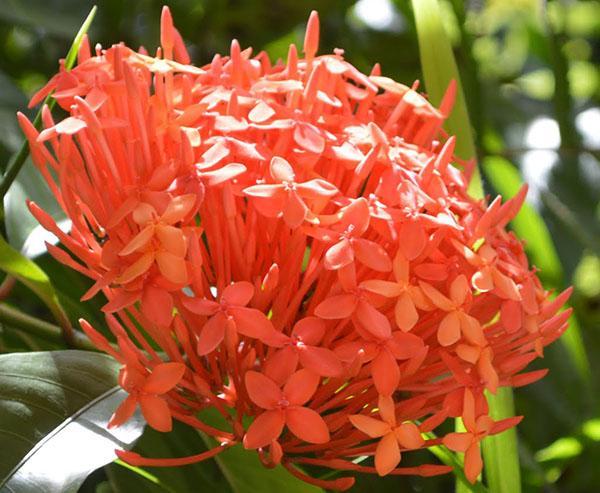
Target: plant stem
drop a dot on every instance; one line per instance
(45, 330)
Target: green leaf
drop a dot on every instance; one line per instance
(18, 160)
(502, 471)
(439, 70)
(244, 471)
(564, 448)
(26, 271)
(246, 474)
(54, 408)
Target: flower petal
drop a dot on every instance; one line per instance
(294, 210)
(413, 238)
(172, 267)
(321, 360)
(384, 288)
(263, 391)
(264, 429)
(281, 170)
(449, 329)
(123, 412)
(372, 255)
(239, 293)
(178, 208)
(387, 454)
(157, 306)
(251, 322)
(385, 372)
(139, 241)
(306, 424)
(339, 255)
(405, 313)
(156, 411)
(409, 436)
(301, 386)
(369, 426)
(459, 442)
(473, 463)
(336, 307)
(373, 321)
(172, 239)
(310, 330)
(164, 377)
(212, 334)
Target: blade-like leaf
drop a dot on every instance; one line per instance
(439, 70)
(26, 271)
(54, 408)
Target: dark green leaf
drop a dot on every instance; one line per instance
(54, 408)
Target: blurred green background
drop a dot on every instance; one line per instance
(532, 81)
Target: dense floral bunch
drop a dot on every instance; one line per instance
(297, 242)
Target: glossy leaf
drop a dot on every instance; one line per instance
(53, 415)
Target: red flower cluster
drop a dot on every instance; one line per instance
(297, 242)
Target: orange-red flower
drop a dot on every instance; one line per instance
(284, 407)
(289, 245)
(148, 391)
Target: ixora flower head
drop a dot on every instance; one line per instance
(291, 245)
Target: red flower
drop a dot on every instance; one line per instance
(284, 407)
(230, 314)
(285, 197)
(148, 391)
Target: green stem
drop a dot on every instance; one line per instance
(500, 451)
(40, 328)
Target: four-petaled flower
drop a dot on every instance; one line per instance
(302, 347)
(393, 435)
(285, 196)
(347, 242)
(229, 314)
(457, 320)
(148, 391)
(159, 241)
(477, 429)
(410, 297)
(284, 407)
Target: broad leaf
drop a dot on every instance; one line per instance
(54, 408)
